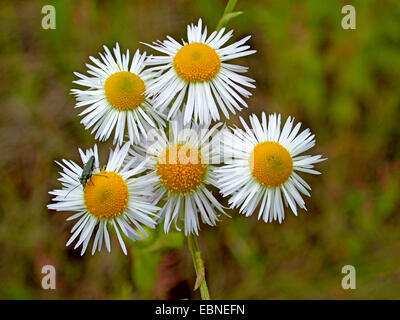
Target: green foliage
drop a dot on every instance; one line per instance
(147, 255)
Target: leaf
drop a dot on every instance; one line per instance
(227, 17)
(199, 270)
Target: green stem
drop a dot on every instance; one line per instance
(230, 6)
(198, 267)
(228, 14)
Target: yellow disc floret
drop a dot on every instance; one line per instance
(197, 62)
(106, 195)
(181, 169)
(124, 90)
(271, 164)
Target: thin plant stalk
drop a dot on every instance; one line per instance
(198, 267)
(228, 14)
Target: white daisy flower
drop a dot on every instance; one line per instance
(181, 170)
(196, 72)
(263, 164)
(111, 196)
(115, 98)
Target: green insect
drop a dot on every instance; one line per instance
(86, 174)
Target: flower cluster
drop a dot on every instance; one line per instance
(169, 157)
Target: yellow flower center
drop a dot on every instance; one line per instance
(181, 169)
(197, 62)
(106, 195)
(271, 164)
(124, 90)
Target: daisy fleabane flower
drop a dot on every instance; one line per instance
(261, 167)
(181, 170)
(112, 196)
(197, 74)
(115, 99)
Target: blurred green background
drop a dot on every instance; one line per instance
(342, 84)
